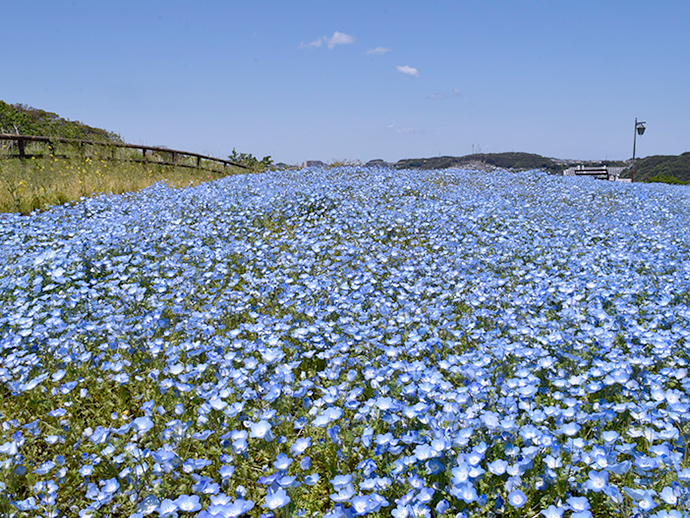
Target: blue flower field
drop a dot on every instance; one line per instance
(349, 342)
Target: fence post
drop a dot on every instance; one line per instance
(20, 144)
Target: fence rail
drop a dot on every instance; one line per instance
(147, 152)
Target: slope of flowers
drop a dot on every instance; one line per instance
(349, 342)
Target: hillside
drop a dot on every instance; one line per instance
(25, 120)
(520, 161)
(660, 166)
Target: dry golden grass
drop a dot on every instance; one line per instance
(38, 183)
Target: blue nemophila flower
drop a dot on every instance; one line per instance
(517, 498)
(227, 509)
(167, 509)
(100, 435)
(282, 462)
(312, 479)
(110, 486)
(261, 430)
(553, 512)
(287, 481)
(402, 511)
(365, 504)
(149, 504)
(461, 473)
(569, 429)
(327, 416)
(300, 445)
(498, 467)
(598, 480)
(45, 468)
(669, 496)
(413, 333)
(305, 463)
(187, 503)
(578, 503)
(58, 412)
(276, 499)
(203, 435)
(142, 424)
(53, 439)
(343, 494)
(226, 471)
(465, 491)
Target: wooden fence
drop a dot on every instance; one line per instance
(149, 154)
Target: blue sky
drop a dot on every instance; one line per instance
(360, 80)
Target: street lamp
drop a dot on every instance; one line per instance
(639, 130)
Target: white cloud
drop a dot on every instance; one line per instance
(338, 38)
(404, 131)
(315, 43)
(410, 71)
(378, 50)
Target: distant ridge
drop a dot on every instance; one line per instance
(21, 119)
(512, 160)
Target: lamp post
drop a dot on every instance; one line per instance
(639, 130)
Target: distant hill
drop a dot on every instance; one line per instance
(657, 168)
(521, 161)
(652, 168)
(25, 120)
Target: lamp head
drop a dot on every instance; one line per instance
(640, 128)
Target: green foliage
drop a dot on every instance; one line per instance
(250, 160)
(662, 178)
(676, 166)
(520, 161)
(25, 120)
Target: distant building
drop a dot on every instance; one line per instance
(599, 172)
(313, 163)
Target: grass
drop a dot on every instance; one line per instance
(35, 184)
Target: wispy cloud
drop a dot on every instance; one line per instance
(378, 50)
(338, 38)
(410, 71)
(404, 131)
(445, 95)
(315, 43)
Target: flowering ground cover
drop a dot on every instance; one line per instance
(349, 342)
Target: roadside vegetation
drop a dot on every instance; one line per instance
(65, 172)
(39, 183)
